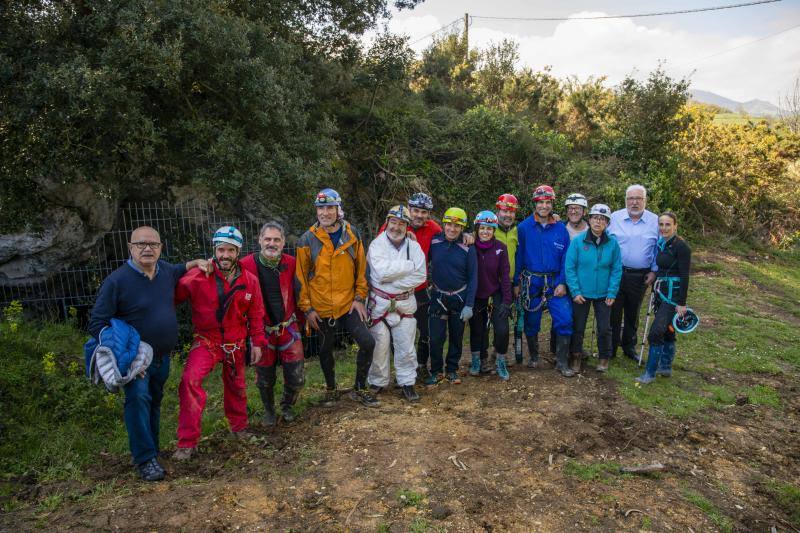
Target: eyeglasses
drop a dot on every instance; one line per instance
(143, 245)
(635, 198)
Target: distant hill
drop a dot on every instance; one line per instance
(755, 108)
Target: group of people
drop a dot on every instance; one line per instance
(406, 295)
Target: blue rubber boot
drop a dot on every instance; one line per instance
(502, 371)
(475, 367)
(667, 356)
(653, 357)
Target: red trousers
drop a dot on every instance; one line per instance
(202, 359)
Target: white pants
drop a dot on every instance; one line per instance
(401, 338)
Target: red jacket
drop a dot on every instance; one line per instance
(286, 280)
(245, 313)
(424, 237)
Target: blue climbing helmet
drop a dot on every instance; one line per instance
(328, 197)
(487, 218)
(228, 235)
(420, 200)
(686, 323)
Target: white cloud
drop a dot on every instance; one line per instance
(617, 47)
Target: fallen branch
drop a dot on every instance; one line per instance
(629, 511)
(350, 514)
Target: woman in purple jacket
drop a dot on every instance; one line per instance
(493, 283)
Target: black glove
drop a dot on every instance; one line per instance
(502, 311)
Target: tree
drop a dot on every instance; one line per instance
(789, 106)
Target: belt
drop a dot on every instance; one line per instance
(635, 270)
(388, 296)
(278, 328)
(543, 274)
(450, 293)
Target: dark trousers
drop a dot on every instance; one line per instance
(444, 322)
(479, 330)
(602, 321)
(362, 337)
(661, 330)
(293, 380)
(143, 410)
(421, 314)
(628, 303)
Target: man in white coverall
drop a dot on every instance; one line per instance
(396, 268)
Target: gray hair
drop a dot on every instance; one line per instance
(272, 224)
(634, 187)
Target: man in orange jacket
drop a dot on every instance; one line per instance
(226, 308)
(331, 269)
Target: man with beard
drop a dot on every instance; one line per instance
(636, 231)
(276, 275)
(423, 228)
(540, 279)
(396, 268)
(226, 308)
(141, 293)
(331, 269)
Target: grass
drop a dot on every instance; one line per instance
(788, 498)
(748, 309)
(48, 396)
(715, 515)
(594, 471)
(410, 498)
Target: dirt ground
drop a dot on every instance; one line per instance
(481, 456)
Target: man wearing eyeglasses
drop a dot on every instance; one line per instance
(141, 293)
(636, 231)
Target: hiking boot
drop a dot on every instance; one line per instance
(576, 362)
(602, 365)
(486, 367)
(330, 398)
(410, 394)
(453, 379)
(630, 353)
(475, 367)
(562, 356)
(288, 415)
(243, 434)
(502, 371)
(434, 379)
(423, 373)
(183, 454)
(270, 418)
(375, 390)
(364, 398)
(151, 470)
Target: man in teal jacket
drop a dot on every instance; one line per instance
(593, 271)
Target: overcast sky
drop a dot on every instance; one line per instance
(616, 47)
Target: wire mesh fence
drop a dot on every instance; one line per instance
(186, 231)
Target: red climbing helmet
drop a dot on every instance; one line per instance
(508, 202)
(544, 192)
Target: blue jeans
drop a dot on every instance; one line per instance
(444, 320)
(143, 410)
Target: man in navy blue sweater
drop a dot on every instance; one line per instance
(141, 292)
(454, 275)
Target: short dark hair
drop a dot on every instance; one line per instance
(671, 215)
(272, 224)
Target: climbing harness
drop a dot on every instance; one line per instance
(526, 298)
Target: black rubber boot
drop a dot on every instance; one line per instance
(562, 356)
(266, 388)
(533, 352)
(553, 341)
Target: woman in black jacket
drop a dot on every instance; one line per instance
(672, 285)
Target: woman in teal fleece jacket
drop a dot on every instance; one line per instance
(593, 272)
